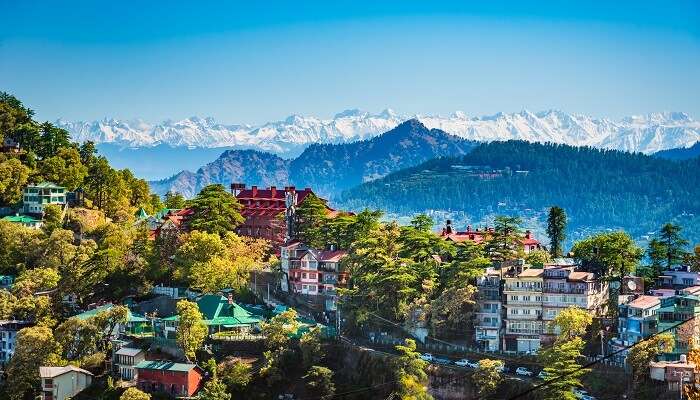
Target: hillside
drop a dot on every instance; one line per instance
(599, 189)
(683, 153)
(327, 168)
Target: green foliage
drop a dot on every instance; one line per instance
(215, 211)
(410, 373)
(214, 390)
(668, 248)
(235, 374)
(133, 393)
(570, 323)
(562, 365)
(319, 380)
(174, 200)
(505, 243)
(13, 177)
(538, 258)
(35, 347)
(610, 254)
(598, 188)
(310, 219)
(279, 329)
(64, 168)
(191, 330)
(556, 230)
(52, 218)
(310, 346)
(487, 377)
(644, 352)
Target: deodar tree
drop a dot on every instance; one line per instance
(215, 211)
(191, 330)
(556, 230)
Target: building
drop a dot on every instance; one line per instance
(8, 337)
(220, 314)
(314, 274)
(523, 310)
(672, 312)
(674, 373)
(489, 305)
(60, 383)
(482, 235)
(564, 287)
(24, 220)
(637, 320)
(173, 223)
(136, 324)
(678, 278)
(125, 361)
(269, 213)
(9, 145)
(175, 379)
(36, 197)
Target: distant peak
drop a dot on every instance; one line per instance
(388, 113)
(355, 112)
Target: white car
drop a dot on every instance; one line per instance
(582, 394)
(543, 375)
(473, 364)
(462, 363)
(523, 371)
(426, 357)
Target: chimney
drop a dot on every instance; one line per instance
(528, 234)
(229, 297)
(469, 228)
(307, 189)
(684, 359)
(448, 227)
(255, 190)
(273, 190)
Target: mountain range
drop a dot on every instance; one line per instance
(288, 138)
(328, 168)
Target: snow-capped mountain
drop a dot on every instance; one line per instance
(646, 134)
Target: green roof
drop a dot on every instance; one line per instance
(216, 311)
(141, 214)
(47, 185)
(165, 366)
(162, 213)
(22, 219)
(131, 317)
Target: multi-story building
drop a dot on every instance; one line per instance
(678, 278)
(269, 213)
(126, 359)
(637, 320)
(671, 314)
(36, 197)
(8, 336)
(174, 379)
(564, 287)
(488, 322)
(481, 235)
(523, 310)
(61, 383)
(315, 274)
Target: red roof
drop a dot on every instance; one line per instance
(332, 255)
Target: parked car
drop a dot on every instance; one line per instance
(523, 371)
(426, 357)
(444, 361)
(543, 375)
(503, 369)
(462, 363)
(582, 394)
(473, 364)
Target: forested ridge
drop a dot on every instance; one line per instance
(598, 188)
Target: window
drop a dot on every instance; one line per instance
(312, 276)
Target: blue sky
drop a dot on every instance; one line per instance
(250, 63)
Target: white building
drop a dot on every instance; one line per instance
(36, 197)
(125, 359)
(523, 318)
(61, 383)
(488, 322)
(8, 337)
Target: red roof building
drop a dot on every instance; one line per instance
(264, 210)
(481, 235)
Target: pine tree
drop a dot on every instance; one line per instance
(556, 230)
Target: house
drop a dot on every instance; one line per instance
(8, 336)
(173, 223)
(125, 361)
(523, 305)
(564, 287)
(36, 197)
(175, 379)
(24, 220)
(315, 274)
(675, 373)
(677, 278)
(269, 213)
(672, 312)
(9, 145)
(637, 320)
(60, 383)
(488, 321)
(219, 313)
(136, 324)
(482, 235)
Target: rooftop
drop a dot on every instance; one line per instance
(165, 365)
(52, 372)
(645, 301)
(531, 273)
(42, 185)
(23, 219)
(128, 351)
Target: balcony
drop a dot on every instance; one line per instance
(522, 289)
(547, 289)
(521, 331)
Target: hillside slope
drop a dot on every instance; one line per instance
(327, 168)
(600, 189)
